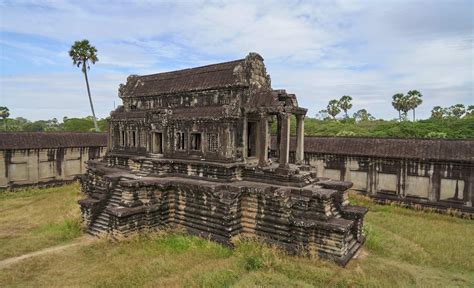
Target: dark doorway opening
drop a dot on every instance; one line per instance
(157, 147)
(252, 139)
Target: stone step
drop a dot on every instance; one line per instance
(99, 227)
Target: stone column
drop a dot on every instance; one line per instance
(245, 139)
(284, 140)
(299, 139)
(277, 153)
(263, 141)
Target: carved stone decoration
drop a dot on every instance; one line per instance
(199, 158)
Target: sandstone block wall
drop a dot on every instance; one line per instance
(434, 173)
(32, 158)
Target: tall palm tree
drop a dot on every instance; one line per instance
(4, 113)
(345, 104)
(82, 53)
(397, 103)
(414, 100)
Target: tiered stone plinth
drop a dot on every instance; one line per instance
(306, 216)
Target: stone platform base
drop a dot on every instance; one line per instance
(315, 219)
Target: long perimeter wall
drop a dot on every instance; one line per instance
(46, 158)
(433, 173)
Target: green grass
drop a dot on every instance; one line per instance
(32, 219)
(404, 248)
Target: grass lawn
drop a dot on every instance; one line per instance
(32, 219)
(404, 248)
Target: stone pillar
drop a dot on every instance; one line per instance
(277, 153)
(263, 140)
(299, 139)
(245, 139)
(470, 188)
(284, 140)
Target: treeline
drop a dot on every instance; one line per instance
(450, 128)
(454, 122)
(446, 122)
(53, 125)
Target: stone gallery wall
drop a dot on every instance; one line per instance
(433, 173)
(46, 158)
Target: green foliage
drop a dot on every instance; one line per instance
(333, 108)
(63, 231)
(455, 111)
(344, 133)
(82, 52)
(414, 100)
(436, 135)
(450, 128)
(345, 104)
(4, 113)
(363, 115)
(69, 124)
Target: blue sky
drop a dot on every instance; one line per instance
(319, 50)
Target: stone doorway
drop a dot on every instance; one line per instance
(252, 139)
(157, 145)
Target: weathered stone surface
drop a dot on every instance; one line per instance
(190, 149)
(46, 158)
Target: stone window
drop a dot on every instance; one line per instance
(134, 138)
(195, 141)
(212, 142)
(180, 141)
(122, 138)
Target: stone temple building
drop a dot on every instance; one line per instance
(190, 149)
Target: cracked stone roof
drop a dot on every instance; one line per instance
(200, 78)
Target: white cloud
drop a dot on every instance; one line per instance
(320, 50)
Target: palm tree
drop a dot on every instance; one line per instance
(414, 100)
(333, 108)
(345, 104)
(397, 103)
(82, 53)
(4, 113)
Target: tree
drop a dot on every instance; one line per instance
(345, 104)
(398, 103)
(323, 115)
(333, 108)
(413, 100)
(4, 113)
(438, 112)
(363, 115)
(82, 53)
(457, 110)
(470, 111)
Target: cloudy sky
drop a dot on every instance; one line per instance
(319, 50)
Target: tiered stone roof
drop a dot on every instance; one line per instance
(200, 78)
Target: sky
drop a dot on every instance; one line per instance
(319, 50)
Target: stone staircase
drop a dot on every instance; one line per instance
(100, 225)
(145, 169)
